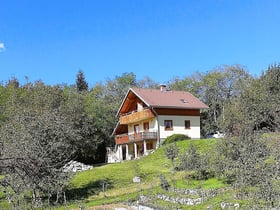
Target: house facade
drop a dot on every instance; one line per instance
(148, 116)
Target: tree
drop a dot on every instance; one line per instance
(251, 164)
(85, 125)
(171, 152)
(35, 149)
(260, 101)
(147, 82)
(271, 85)
(192, 84)
(81, 83)
(219, 88)
(193, 160)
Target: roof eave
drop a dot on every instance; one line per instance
(124, 99)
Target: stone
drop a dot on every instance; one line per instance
(74, 166)
(136, 179)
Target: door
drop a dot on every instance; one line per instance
(136, 131)
(146, 126)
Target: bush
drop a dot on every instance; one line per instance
(196, 162)
(164, 183)
(174, 138)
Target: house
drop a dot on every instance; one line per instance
(148, 116)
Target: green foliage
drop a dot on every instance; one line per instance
(90, 133)
(171, 151)
(218, 89)
(164, 183)
(175, 138)
(199, 163)
(35, 149)
(250, 163)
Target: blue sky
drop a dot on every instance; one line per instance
(51, 40)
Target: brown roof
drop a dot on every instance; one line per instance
(159, 99)
(170, 99)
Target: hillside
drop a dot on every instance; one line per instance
(113, 183)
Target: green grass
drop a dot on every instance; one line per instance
(86, 186)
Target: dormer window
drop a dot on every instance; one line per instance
(184, 100)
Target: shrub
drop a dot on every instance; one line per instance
(175, 138)
(196, 162)
(164, 183)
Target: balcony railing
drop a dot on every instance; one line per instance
(136, 116)
(125, 138)
(121, 139)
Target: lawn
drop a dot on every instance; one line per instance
(113, 183)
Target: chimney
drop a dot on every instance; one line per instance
(163, 88)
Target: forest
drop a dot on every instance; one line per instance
(42, 127)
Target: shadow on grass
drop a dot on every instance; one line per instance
(92, 188)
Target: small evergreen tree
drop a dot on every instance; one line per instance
(81, 83)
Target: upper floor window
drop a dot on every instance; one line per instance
(168, 125)
(146, 126)
(187, 124)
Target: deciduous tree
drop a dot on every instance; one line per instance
(35, 149)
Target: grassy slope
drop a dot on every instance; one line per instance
(87, 185)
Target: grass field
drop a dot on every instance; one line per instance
(87, 187)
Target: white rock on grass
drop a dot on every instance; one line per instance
(74, 166)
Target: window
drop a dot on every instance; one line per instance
(168, 125)
(187, 124)
(146, 126)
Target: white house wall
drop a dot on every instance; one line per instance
(179, 126)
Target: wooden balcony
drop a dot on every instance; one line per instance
(136, 116)
(121, 139)
(125, 138)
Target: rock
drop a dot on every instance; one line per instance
(74, 166)
(136, 179)
(141, 207)
(225, 205)
(236, 206)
